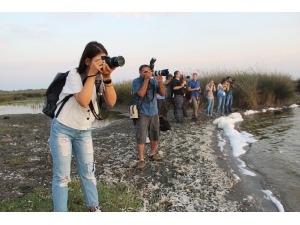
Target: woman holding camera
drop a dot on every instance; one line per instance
(185, 100)
(221, 95)
(71, 131)
(210, 89)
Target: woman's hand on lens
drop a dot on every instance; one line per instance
(95, 66)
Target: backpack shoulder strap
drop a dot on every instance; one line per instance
(65, 99)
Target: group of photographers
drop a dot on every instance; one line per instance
(152, 95)
(223, 94)
(184, 93)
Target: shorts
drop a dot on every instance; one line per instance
(144, 124)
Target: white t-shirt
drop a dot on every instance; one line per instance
(72, 114)
(223, 92)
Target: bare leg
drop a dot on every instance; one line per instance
(153, 146)
(141, 148)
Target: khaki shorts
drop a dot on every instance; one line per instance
(146, 124)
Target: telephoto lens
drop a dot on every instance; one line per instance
(114, 61)
(164, 72)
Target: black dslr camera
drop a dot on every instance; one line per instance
(114, 61)
(164, 72)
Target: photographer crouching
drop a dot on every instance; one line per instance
(145, 89)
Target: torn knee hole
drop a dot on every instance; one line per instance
(64, 181)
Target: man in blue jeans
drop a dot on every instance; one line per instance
(145, 89)
(229, 96)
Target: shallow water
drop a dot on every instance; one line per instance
(21, 108)
(276, 154)
(24, 107)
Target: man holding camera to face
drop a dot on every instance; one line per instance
(145, 89)
(195, 89)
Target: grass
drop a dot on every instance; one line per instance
(112, 198)
(10, 96)
(254, 88)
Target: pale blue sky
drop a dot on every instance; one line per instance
(34, 46)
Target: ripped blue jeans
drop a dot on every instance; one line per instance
(65, 141)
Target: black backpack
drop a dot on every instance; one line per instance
(164, 124)
(52, 96)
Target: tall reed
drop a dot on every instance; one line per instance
(254, 87)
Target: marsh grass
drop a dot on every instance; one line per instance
(255, 87)
(7, 97)
(123, 90)
(112, 198)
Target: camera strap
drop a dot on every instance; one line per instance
(153, 91)
(98, 84)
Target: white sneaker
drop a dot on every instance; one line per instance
(147, 140)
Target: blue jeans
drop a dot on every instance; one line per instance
(221, 103)
(228, 104)
(209, 106)
(63, 142)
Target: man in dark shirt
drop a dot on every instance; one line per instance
(177, 86)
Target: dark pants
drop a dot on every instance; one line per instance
(178, 102)
(184, 107)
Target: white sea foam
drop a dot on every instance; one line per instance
(294, 106)
(272, 109)
(273, 199)
(242, 166)
(236, 177)
(221, 142)
(250, 112)
(237, 140)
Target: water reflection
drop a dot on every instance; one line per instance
(26, 107)
(21, 109)
(271, 124)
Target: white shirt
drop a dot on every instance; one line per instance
(72, 114)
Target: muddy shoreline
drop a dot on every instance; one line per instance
(192, 177)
